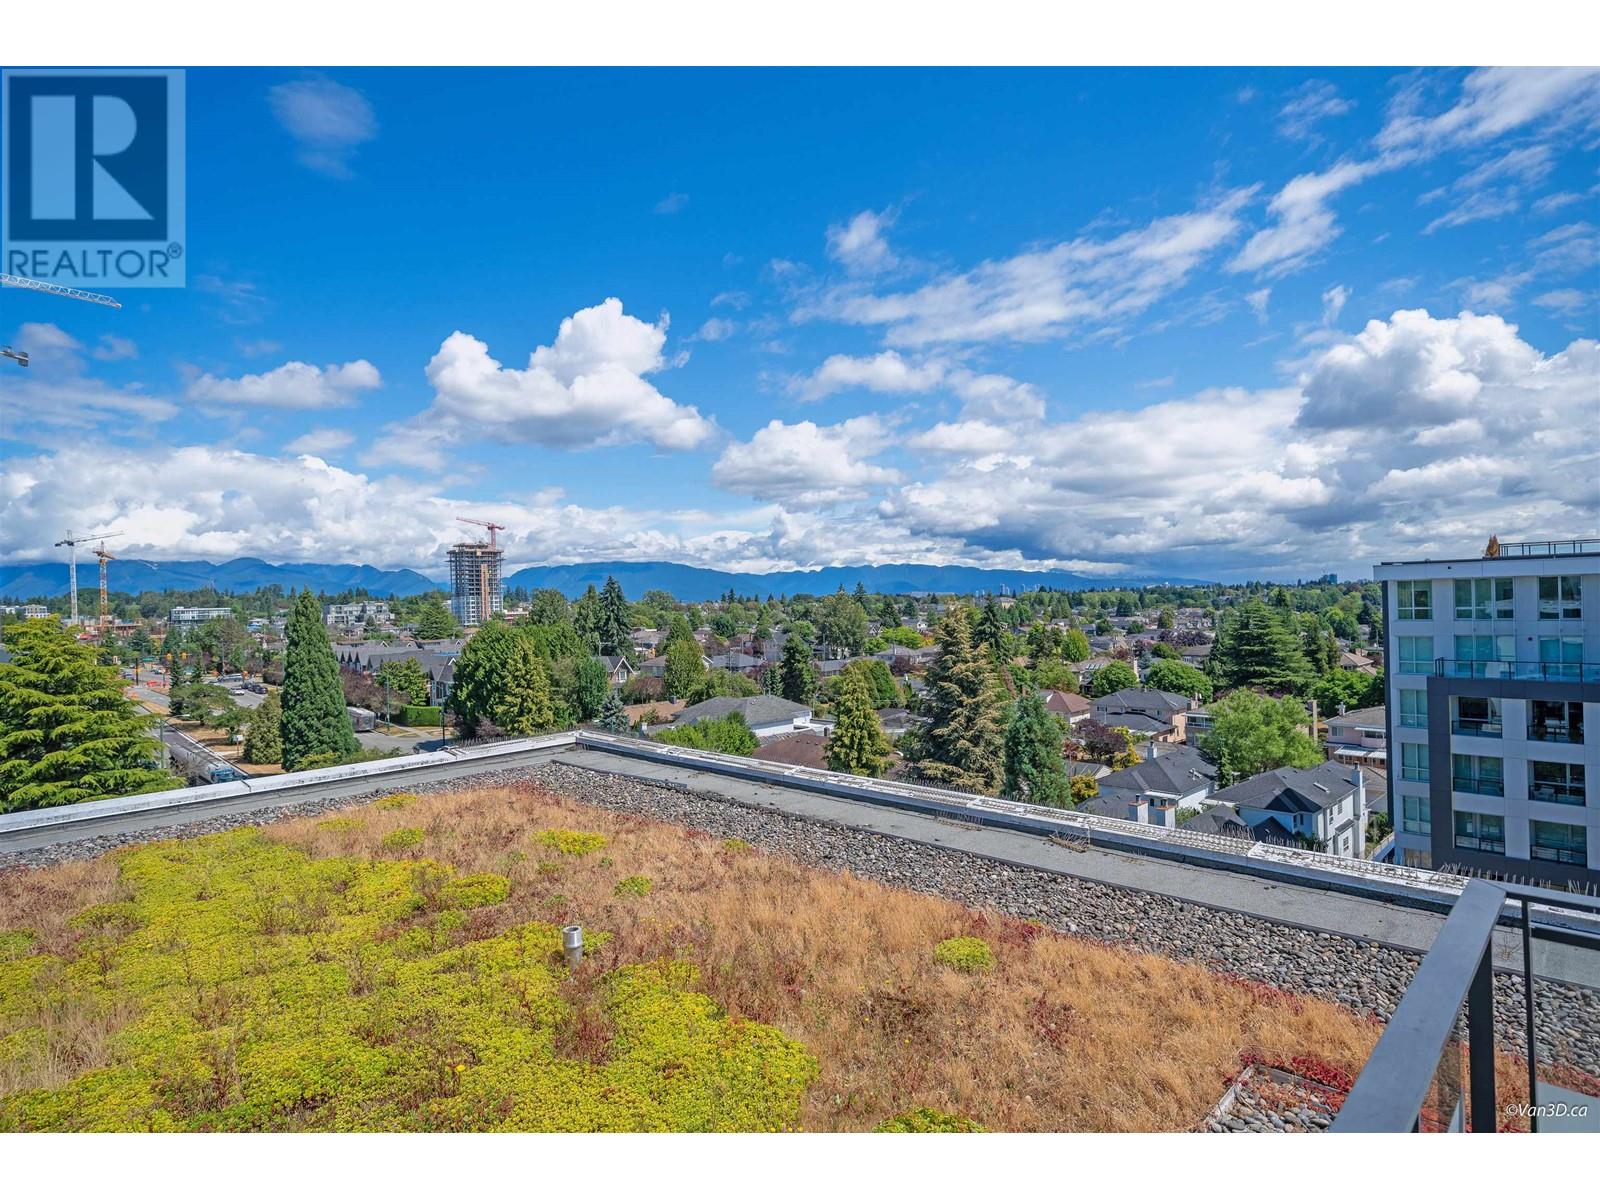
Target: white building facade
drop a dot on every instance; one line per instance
(1493, 710)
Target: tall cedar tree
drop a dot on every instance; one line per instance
(314, 717)
(1035, 769)
(963, 743)
(615, 627)
(857, 744)
(796, 675)
(526, 706)
(1259, 647)
(263, 743)
(67, 733)
(435, 621)
(483, 675)
(590, 687)
(586, 618)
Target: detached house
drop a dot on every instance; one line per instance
(1323, 806)
(1153, 789)
(1359, 738)
(1144, 712)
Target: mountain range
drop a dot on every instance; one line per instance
(24, 581)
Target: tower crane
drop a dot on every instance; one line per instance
(52, 289)
(57, 289)
(483, 566)
(72, 565)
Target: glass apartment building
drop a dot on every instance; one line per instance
(1493, 710)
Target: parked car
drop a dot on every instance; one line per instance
(259, 689)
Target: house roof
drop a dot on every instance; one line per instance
(1176, 773)
(1293, 789)
(1219, 819)
(1359, 716)
(756, 710)
(807, 749)
(1068, 704)
(1143, 700)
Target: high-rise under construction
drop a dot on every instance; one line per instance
(475, 581)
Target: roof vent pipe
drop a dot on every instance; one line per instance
(572, 944)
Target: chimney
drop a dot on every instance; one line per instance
(1150, 750)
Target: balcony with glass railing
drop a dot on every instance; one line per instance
(1538, 672)
(1479, 785)
(1485, 727)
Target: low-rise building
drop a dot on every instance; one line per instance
(1069, 706)
(1359, 738)
(193, 618)
(361, 612)
(1153, 789)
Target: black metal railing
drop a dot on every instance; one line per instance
(1556, 731)
(1562, 547)
(1483, 845)
(1562, 854)
(1477, 727)
(1479, 785)
(1413, 1082)
(1558, 793)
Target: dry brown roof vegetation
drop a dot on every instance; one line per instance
(1062, 1034)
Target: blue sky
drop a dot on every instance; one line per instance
(1222, 323)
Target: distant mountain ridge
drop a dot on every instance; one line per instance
(24, 581)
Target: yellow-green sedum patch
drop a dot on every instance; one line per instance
(268, 990)
(571, 841)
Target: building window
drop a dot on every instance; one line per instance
(1414, 708)
(1560, 597)
(1483, 599)
(1561, 657)
(1477, 774)
(1485, 647)
(1420, 859)
(1415, 814)
(1416, 655)
(1476, 716)
(1558, 843)
(1414, 600)
(1556, 783)
(1414, 761)
(1556, 721)
(1480, 831)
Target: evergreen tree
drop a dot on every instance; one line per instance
(483, 675)
(963, 743)
(67, 732)
(314, 717)
(612, 717)
(796, 673)
(857, 744)
(586, 618)
(590, 686)
(525, 708)
(263, 743)
(772, 680)
(1035, 769)
(615, 625)
(435, 621)
(1257, 647)
(990, 629)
